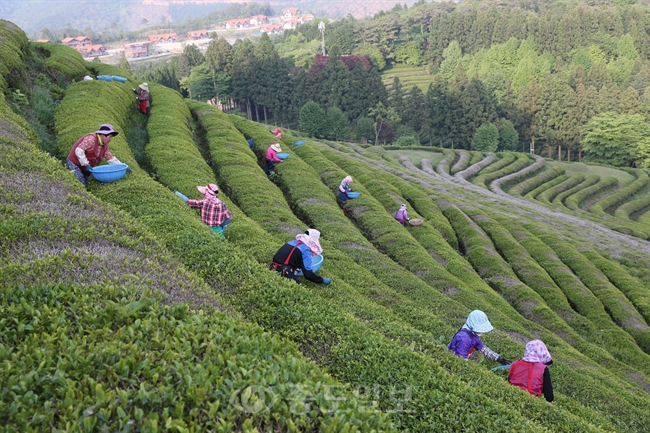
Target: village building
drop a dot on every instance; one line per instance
(258, 20)
(45, 41)
(79, 41)
(239, 23)
(289, 13)
(91, 50)
(272, 29)
(163, 38)
(292, 23)
(198, 34)
(137, 49)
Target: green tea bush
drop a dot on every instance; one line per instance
(596, 298)
(520, 164)
(528, 185)
(62, 61)
(574, 201)
(106, 358)
(548, 195)
(624, 210)
(606, 204)
(588, 181)
(630, 286)
(559, 180)
(461, 163)
(13, 48)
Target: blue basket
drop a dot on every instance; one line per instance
(118, 78)
(105, 77)
(298, 143)
(316, 261)
(109, 172)
(354, 194)
(501, 367)
(283, 155)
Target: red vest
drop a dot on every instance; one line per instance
(94, 155)
(528, 376)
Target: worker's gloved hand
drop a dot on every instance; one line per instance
(181, 196)
(503, 361)
(327, 281)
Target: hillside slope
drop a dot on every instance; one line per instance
(381, 328)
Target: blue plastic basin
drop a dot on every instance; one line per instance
(283, 155)
(105, 77)
(353, 194)
(316, 261)
(298, 143)
(109, 172)
(118, 78)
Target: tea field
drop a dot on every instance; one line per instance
(121, 311)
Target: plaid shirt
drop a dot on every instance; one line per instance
(90, 142)
(213, 211)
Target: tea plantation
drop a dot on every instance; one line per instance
(121, 311)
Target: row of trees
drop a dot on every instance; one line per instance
(256, 79)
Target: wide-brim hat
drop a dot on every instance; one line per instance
(276, 147)
(107, 129)
(144, 86)
(210, 188)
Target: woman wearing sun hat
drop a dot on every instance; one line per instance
(297, 254)
(143, 97)
(90, 150)
(272, 157)
(214, 212)
(468, 338)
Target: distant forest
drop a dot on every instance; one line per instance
(559, 77)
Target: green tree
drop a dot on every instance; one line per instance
(337, 126)
(415, 114)
(409, 54)
(342, 33)
(199, 83)
(374, 54)
(406, 140)
(194, 55)
(219, 56)
(312, 119)
(644, 152)
(508, 137)
(613, 139)
(396, 98)
(384, 116)
(452, 55)
(365, 128)
(244, 70)
(486, 138)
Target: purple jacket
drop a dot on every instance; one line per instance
(464, 343)
(401, 216)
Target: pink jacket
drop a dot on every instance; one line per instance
(271, 155)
